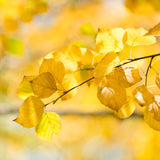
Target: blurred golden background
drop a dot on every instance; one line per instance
(29, 29)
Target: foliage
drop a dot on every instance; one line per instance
(119, 87)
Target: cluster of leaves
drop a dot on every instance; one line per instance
(61, 72)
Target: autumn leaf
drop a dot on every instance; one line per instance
(50, 124)
(44, 85)
(137, 37)
(125, 76)
(25, 89)
(106, 65)
(109, 40)
(152, 114)
(30, 112)
(155, 31)
(158, 80)
(143, 95)
(56, 68)
(127, 109)
(68, 82)
(111, 94)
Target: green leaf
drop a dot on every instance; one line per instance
(49, 125)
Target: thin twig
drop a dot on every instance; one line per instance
(64, 93)
(136, 59)
(149, 66)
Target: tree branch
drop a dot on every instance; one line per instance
(64, 93)
(136, 59)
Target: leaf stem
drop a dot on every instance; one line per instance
(64, 93)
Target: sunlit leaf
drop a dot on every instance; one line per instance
(106, 65)
(30, 112)
(137, 37)
(158, 80)
(111, 94)
(49, 125)
(56, 68)
(109, 40)
(127, 109)
(152, 114)
(87, 29)
(44, 85)
(155, 31)
(143, 95)
(25, 88)
(69, 62)
(68, 82)
(125, 76)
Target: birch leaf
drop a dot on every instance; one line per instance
(44, 85)
(49, 125)
(30, 112)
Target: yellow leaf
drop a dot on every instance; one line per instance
(110, 40)
(56, 68)
(125, 76)
(25, 88)
(152, 114)
(143, 95)
(127, 109)
(106, 65)
(75, 52)
(155, 31)
(30, 112)
(137, 37)
(63, 56)
(111, 94)
(158, 80)
(49, 125)
(68, 82)
(44, 85)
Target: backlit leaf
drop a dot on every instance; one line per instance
(110, 40)
(30, 112)
(49, 125)
(158, 80)
(25, 88)
(56, 68)
(44, 85)
(137, 37)
(111, 94)
(106, 65)
(155, 31)
(127, 109)
(152, 114)
(143, 95)
(125, 76)
(68, 82)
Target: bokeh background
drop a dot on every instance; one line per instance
(29, 29)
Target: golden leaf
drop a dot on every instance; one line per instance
(110, 40)
(106, 65)
(111, 94)
(44, 85)
(49, 125)
(25, 88)
(143, 95)
(152, 114)
(63, 56)
(155, 31)
(68, 82)
(137, 37)
(30, 112)
(56, 68)
(125, 76)
(127, 109)
(158, 80)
